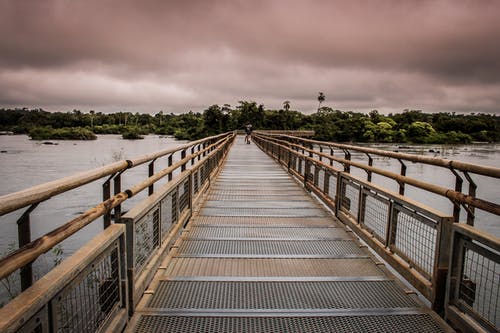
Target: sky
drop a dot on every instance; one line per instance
(176, 56)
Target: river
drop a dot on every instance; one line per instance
(25, 163)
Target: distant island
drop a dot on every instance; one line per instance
(409, 126)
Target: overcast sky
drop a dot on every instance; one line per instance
(176, 56)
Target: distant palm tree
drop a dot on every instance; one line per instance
(321, 99)
(286, 105)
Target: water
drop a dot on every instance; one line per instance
(487, 188)
(25, 163)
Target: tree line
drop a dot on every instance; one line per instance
(409, 126)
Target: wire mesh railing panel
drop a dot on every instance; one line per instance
(196, 184)
(146, 237)
(349, 197)
(414, 238)
(166, 215)
(478, 285)
(312, 171)
(184, 195)
(331, 191)
(300, 166)
(174, 206)
(321, 179)
(375, 216)
(87, 303)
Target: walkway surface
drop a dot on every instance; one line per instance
(262, 255)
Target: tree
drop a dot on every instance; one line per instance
(286, 105)
(92, 113)
(321, 99)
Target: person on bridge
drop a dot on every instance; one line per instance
(248, 131)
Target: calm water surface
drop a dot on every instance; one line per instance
(25, 163)
(487, 188)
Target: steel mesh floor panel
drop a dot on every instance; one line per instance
(252, 267)
(261, 221)
(260, 191)
(256, 180)
(256, 198)
(303, 204)
(218, 232)
(252, 187)
(415, 323)
(269, 248)
(261, 255)
(259, 295)
(283, 212)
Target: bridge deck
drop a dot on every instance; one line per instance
(262, 255)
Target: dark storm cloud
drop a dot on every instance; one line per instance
(181, 55)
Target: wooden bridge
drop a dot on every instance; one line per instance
(266, 237)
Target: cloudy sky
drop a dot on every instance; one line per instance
(176, 56)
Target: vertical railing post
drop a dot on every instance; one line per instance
(192, 153)
(130, 262)
(326, 182)
(347, 156)
(403, 173)
(370, 163)
(151, 168)
(321, 151)
(307, 169)
(458, 187)
(106, 194)
(170, 164)
(289, 164)
(441, 262)
(331, 153)
(392, 228)
(338, 193)
(183, 156)
(472, 193)
(117, 185)
(24, 237)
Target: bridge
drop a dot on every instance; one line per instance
(279, 235)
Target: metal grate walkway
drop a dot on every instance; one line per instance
(262, 255)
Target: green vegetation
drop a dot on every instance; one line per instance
(132, 134)
(410, 126)
(65, 133)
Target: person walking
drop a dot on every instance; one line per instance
(248, 131)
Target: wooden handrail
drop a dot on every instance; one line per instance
(457, 165)
(42, 192)
(33, 250)
(453, 195)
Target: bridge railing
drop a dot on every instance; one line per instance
(413, 238)
(96, 288)
(474, 279)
